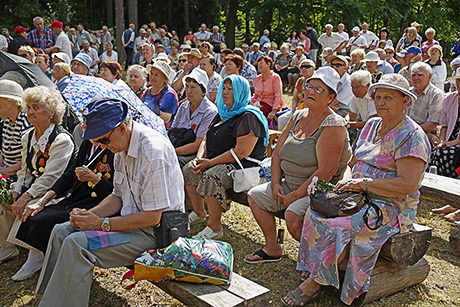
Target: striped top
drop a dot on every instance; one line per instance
(11, 139)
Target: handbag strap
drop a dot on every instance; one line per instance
(377, 209)
(247, 158)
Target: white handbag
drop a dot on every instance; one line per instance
(245, 178)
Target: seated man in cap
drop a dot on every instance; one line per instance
(193, 60)
(341, 103)
(147, 182)
(81, 64)
(407, 58)
(255, 54)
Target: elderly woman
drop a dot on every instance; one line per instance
(174, 55)
(43, 61)
(88, 182)
(438, 66)
(282, 62)
(196, 113)
(307, 68)
(233, 64)
(389, 162)
(111, 72)
(314, 143)
(238, 127)
(160, 97)
(293, 70)
(148, 52)
(430, 42)
(268, 88)
(61, 74)
(208, 64)
(27, 52)
(47, 151)
(137, 79)
(15, 124)
(357, 57)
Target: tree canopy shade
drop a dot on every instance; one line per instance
(246, 19)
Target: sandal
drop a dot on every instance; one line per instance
(299, 298)
(264, 257)
(305, 275)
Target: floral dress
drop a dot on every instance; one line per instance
(324, 239)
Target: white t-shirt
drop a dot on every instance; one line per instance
(360, 41)
(63, 43)
(363, 106)
(346, 37)
(3, 42)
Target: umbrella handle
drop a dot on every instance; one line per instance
(72, 112)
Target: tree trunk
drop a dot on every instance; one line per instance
(186, 15)
(231, 23)
(64, 10)
(120, 26)
(248, 29)
(109, 13)
(133, 12)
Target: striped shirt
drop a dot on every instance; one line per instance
(11, 139)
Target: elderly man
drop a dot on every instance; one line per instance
(426, 111)
(193, 60)
(216, 39)
(148, 182)
(255, 54)
(81, 64)
(341, 103)
(371, 39)
(407, 58)
(357, 41)
(343, 45)
(384, 67)
(326, 55)
(264, 38)
(61, 74)
(361, 106)
(88, 50)
(127, 40)
(203, 35)
(155, 32)
(331, 40)
(138, 43)
(106, 37)
(41, 37)
(164, 39)
(62, 41)
(82, 35)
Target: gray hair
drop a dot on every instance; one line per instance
(422, 66)
(141, 70)
(37, 18)
(47, 97)
(329, 26)
(362, 76)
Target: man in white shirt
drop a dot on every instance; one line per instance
(202, 35)
(62, 42)
(331, 39)
(361, 104)
(138, 43)
(356, 41)
(371, 39)
(343, 45)
(341, 103)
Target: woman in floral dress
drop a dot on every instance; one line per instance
(391, 156)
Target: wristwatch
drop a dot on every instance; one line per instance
(106, 225)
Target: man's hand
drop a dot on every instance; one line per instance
(85, 220)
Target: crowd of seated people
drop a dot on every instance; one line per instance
(371, 116)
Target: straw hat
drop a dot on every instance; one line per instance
(453, 79)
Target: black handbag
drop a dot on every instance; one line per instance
(173, 224)
(293, 70)
(181, 136)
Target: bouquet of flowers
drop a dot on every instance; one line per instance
(6, 198)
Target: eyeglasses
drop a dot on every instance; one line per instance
(106, 140)
(24, 55)
(306, 66)
(183, 60)
(318, 90)
(337, 64)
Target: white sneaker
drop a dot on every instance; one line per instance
(23, 275)
(208, 233)
(193, 217)
(14, 252)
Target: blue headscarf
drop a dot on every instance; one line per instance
(241, 96)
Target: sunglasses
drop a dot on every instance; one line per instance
(318, 90)
(24, 55)
(306, 66)
(337, 64)
(183, 60)
(106, 140)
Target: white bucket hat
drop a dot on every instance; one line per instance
(11, 90)
(372, 56)
(163, 57)
(62, 56)
(199, 75)
(393, 82)
(162, 66)
(453, 79)
(328, 75)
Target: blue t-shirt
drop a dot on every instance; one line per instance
(165, 101)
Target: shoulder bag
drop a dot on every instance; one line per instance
(245, 178)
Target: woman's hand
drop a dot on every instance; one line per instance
(271, 114)
(33, 210)
(289, 199)
(355, 185)
(84, 174)
(439, 144)
(200, 165)
(15, 195)
(278, 192)
(19, 205)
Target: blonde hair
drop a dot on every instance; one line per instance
(285, 46)
(359, 52)
(29, 50)
(299, 48)
(49, 98)
(430, 31)
(412, 31)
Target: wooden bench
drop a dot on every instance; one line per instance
(240, 292)
(444, 190)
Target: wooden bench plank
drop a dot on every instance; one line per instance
(240, 292)
(441, 189)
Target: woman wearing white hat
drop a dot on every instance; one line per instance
(372, 60)
(196, 113)
(438, 66)
(160, 97)
(390, 158)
